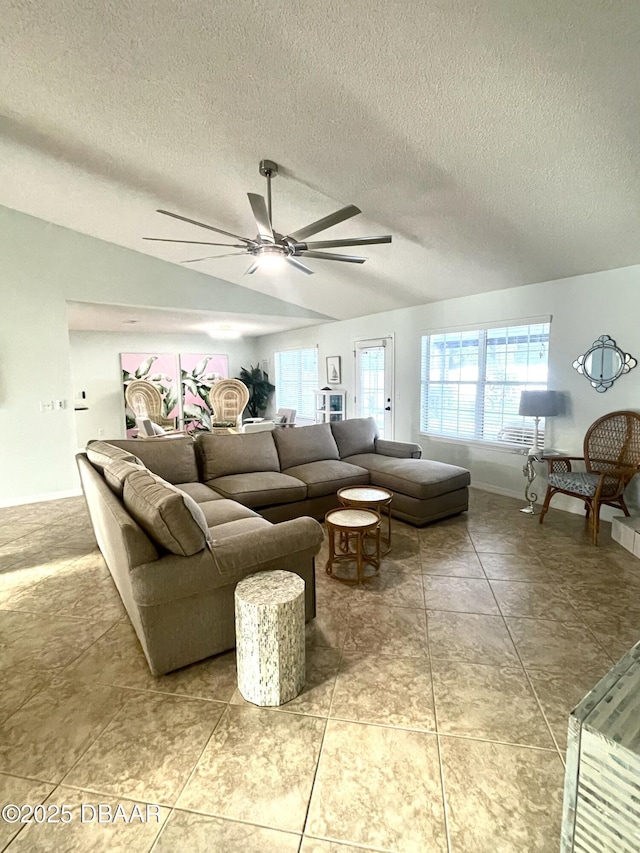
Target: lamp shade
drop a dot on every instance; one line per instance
(539, 404)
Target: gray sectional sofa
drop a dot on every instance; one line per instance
(180, 522)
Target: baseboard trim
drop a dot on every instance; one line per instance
(497, 490)
(36, 499)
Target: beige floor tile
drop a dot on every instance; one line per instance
(46, 736)
(616, 632)
(19, 792)
(511, 567)
(393, 589)
(46, 641)
(258, 766)
(329, 628)
(20, 684)
(81, 593)
(559, 693)
(490, 702)
(462, 595)
(501, 797)
(404, 555)
(149, 749)
(10, 531)
(315, 698)
(393, 691)
(444, 538)
(463, 564)
(379, 787)
(186, 831)
(537, 600)
(387, 630)
(498, 544)
(81, 834)
(30, 571)
(471, 638)
(317, 845)
(555, 646)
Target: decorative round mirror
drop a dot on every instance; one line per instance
(603, 363)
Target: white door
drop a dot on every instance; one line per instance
(374, 383)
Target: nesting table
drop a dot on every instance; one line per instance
(349, 527)
(370, 497)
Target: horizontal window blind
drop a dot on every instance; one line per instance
(297, 381)
(471, 381)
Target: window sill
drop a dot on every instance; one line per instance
(498, 446)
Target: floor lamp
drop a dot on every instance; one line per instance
(538, 404)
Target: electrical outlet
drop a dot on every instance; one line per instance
(46, 405)
(100, 433)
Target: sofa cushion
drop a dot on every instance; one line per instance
(199, 492)
(168, 515)
(223, 511)
(357, 435)
(100, 453)
(117, 471)
(242, 453)
(326, 477)
(172, 459)
(238, 527)
(305, 444)
(263, 488)
(418, 478)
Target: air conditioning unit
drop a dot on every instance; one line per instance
(602, 781)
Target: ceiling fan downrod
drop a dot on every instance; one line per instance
(268, 169)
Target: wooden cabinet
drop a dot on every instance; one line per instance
(330, 406)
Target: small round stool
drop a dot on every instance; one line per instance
(370, 497)
(270, 652)
(353, 526)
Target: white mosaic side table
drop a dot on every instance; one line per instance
(270, 639)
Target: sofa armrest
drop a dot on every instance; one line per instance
(237, 556)
(173, 577)
(399, 449)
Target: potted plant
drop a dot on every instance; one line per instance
(260, 390)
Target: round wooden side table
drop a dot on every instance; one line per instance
(350, 527)
(370, 497)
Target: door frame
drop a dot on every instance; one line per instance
(388, 342)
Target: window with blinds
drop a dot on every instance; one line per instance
(471, 381)
(296, 381)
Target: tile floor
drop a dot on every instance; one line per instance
(433, 719)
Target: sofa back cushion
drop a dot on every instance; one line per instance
(168, 515)
(100, 453)
(357, 435)
(241, 453)
(173, 459)
(305, 444)
(117, 471)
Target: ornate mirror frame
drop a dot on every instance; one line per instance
(599, 350)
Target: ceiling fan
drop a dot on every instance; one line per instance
(271, 249)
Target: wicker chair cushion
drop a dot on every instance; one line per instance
(578, 482)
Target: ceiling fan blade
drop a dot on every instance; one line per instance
(193, 242)
(254, 266)
(298, 265)
(354, 241)
(208, 227)
(327, 256)
(259, 208)
(326, 222)
(210, 257)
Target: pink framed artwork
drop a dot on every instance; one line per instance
(162, 371)
(198, 372)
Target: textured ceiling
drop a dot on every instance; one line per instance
(498, 141)
(92, 317)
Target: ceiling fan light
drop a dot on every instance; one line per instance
(223, 333)
(270, 260)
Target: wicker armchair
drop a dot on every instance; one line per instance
(611, 459)
(146, 402)
(228, 398)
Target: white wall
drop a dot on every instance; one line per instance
(41, 267)
(95, 369)
(583, 308)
